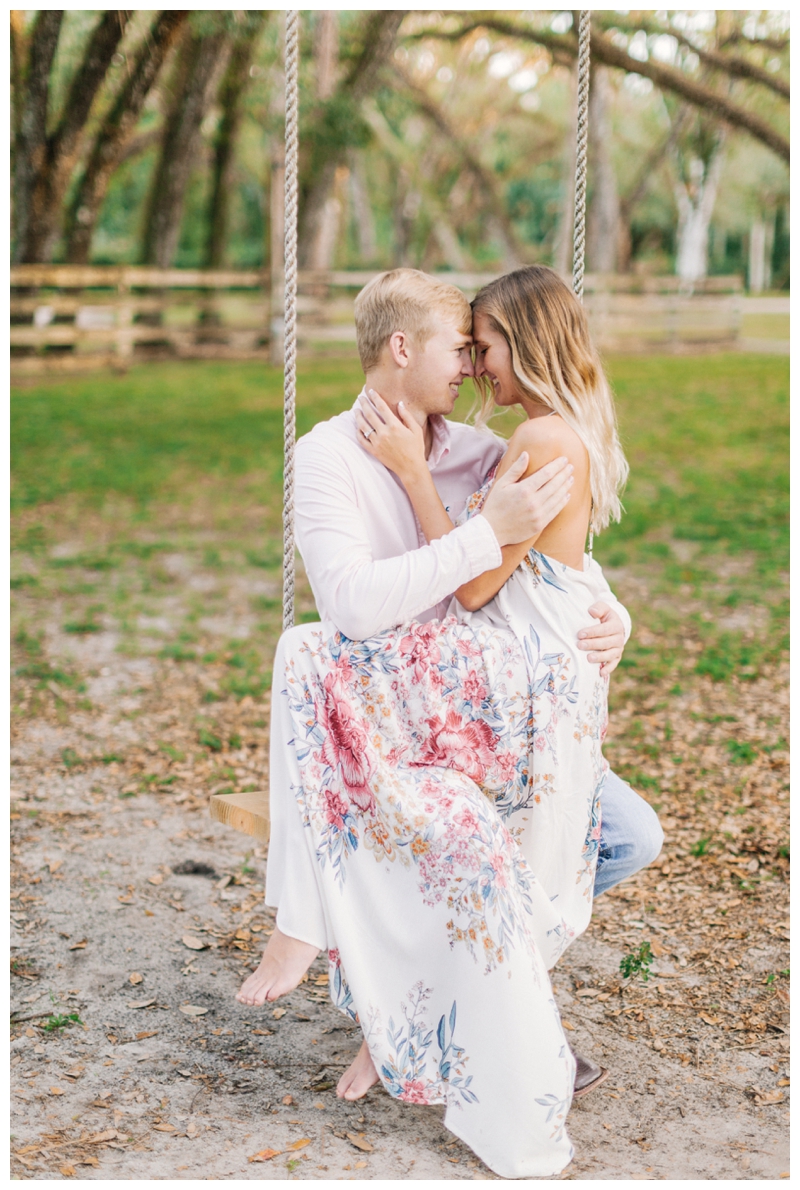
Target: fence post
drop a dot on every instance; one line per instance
(123, 343)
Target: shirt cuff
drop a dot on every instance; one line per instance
(480, 545)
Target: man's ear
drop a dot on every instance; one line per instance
(399, 349)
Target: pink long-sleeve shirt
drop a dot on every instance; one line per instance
(365, 554)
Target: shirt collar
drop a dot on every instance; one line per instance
(440, 447)
(440, 428)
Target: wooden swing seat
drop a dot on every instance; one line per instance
(246, 812)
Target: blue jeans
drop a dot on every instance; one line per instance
(630, 836)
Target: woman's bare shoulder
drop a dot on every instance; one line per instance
(540, 434)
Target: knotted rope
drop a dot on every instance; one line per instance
(581, 145)
(290, 311)
(582, 139)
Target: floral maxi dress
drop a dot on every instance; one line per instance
(434, 826)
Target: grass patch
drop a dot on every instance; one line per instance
(705, 528)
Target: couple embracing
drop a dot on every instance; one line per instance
(441, 812)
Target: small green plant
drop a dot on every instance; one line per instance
(70, 757)
(638, 962)
(741, 752)
(60, 1021)
(235, 741)
(24, 580)
(209, 740)
(171, 752)
(178, 653)
(112, 758)
(700, 847)
(82, 627)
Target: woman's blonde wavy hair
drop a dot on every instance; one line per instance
(556, 364)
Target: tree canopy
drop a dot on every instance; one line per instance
(439, 139)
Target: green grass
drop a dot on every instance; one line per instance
(161, 428)
(705, 527)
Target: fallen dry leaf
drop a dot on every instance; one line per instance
(709, 1020)
(193, 942)
(359, 1141)
(56, 1091)
(783, 1082)
(164, 1128)
(193, 1010)
(68, 1171)
(54, 865)
(100, 1138)
(223, 882)
(126, 899)
(765, 1098)
(89, 1161)
(263, 1033)
(299, 1144)
(142, 1003)
(363, 1164)
(265, 1155)
(287, 1101)
(79, 945)
(135, 977)
(157, 879)
(277, 1013)
(243, 935)
(77, 1071)
(149, 1033)
(567, 1025)
(322, 980)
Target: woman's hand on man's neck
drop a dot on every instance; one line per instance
(390, 386)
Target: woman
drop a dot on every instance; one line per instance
(448, 775)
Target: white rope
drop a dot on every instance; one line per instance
(290, 311)
(582, 141)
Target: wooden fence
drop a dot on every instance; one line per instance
(68, 317)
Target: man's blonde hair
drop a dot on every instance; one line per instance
(405, 300)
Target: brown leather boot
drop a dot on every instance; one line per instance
(588, 1075)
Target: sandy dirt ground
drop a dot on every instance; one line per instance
(135, 918)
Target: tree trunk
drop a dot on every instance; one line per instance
(30, 155)
(562, 247)
(230, 99)
(377, 36)
(326, 53)
(115, 136)
(51, 159)
(362, 211)
(602, 233)
(695, 198)
(201, 62)
(499, 224)
(648, 168)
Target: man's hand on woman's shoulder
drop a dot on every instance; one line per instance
(518, 509)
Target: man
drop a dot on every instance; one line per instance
(371, 569)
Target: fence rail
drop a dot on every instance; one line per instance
(68, 317)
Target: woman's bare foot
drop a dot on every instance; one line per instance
(283, 965)
(359, 1076)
